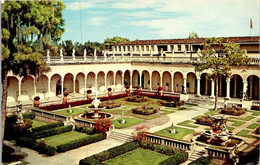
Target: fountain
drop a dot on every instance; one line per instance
(218, 133)
(96, 110)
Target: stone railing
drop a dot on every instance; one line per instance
(187, 146)
(84, 123)
(255, 103)
(221, 154)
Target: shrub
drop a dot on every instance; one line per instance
(233, 111)
(127, 87)
(109, 89)
(102, 125)
(255, 107)
(14, 130)
(201, 161)
(81, 142)
(49, 150)
(89, 91)
(30, 115)
(176, 159)
(136, 98)
(48, 126)
(140, 133)
(166, 150)
(143, 111)
(50, 132)
(36, 98)
(65, 94)
(172, 98)
(86, 130)
(205, 120)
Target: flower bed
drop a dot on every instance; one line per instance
(145, 110)
(136, 98)
(233, 111)
(171, 103)
(173, 98)
(204, 120)
(110, 104)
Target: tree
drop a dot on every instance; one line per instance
(112, 41)
(193, 34)
(220, 62)
(27, 28)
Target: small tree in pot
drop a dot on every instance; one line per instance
(89, 94)
(160, 91)
(109, 93)
(138, 90)
(65, 97)
(36, 102)
(127, 90)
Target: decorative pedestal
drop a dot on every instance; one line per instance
(184, 97)
(246, 104)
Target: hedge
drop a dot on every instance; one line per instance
(30, 115)
(166, 150)
(109, 154)
(15, 130)
(48, 126)
(86, 130)
(31, 143)
(80, 142)
(50, 132)
(172, 98)
(233, 111)
(13, 118)
(201, 161)
(176, 159)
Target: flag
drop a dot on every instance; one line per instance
(251, 24)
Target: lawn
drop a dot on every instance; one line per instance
(237, 123)
(112, 110)
(245, 132)
(187, 124)
(63, 138)
(165, 112)
(197, 117)
(246, 118)
(212, 112)
(129, 122)
(37, 123)
(253, 126)
(75, 111)
(254, 113)
(138, 156)
(180, 132)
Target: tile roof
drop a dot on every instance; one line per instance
(188, 40)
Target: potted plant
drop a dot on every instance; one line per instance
(89, 95)
(127, 90)
(138, 90)
(65, 97)
(160, 91)
(36, 102)
(109, 93)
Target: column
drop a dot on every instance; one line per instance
(198, 88)
(19, 89)
(251, 87)
(74, 85)
(185, 84)
(131, 81)
(206, 86)
(96, 85)
(61, 87)
(161, 78)
(85, 85)
(34, 86)
(49, 88)
(228, 86)
(172, 83)
(114, 82)
(150, 82)
(105, 81)
(212, 89)
(244, 88)
(220, 86)
(140, 77)
(235, 86)
(123, 77)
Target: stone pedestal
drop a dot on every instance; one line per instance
(184, 97)
(246, 104)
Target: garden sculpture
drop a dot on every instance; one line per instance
(19, 113)
(173, 129)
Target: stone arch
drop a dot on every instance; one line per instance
(55, 85)
(27, 87)
(110, 79)
(68, 83)
(145, 79)
(222, 86)
(91, 76)
(101, 81)
(167, 81)
(79, 84)
(12, 89)
(178, 81)
(119, 77)
(191, 83)
(42, 87)
(205, 84)
(155, 79)
(136, 78)
(236, 86)
(253, 87)
(127, 77)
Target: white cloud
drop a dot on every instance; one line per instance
(79, 5)
(97, 21)
(135, 4)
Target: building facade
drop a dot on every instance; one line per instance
(148, 63)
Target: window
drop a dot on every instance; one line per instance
(128, 48)
(172, 47)
(137, 48)
(123, 48)
(147, 48)
(152, 47)
(142, 47)
(119, 48)
(187, 47)
(179, 47)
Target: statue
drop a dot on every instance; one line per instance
(173, 129)
(122, 118)
(61, 52)
(96, 101)
(85, 53)
(19, 113)
(95, 52)
(73, 52)
(225, 103)
(182, 89)
(48, 52)
(69, 110)
(245, 96)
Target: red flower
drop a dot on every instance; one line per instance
(102, 125)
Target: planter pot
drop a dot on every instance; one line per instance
(160, 92)
(36, 103)
(89, 96)
(127, 91)
(65, 99)
(138, 90)
(109, 93)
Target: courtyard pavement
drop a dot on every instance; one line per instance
(72, 157)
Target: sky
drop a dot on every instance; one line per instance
(95, 20)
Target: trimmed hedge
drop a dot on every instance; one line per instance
(166, 150)
(109, 154)
(176, 159)
(14, 130)
(233, 111)
(80, 142)
(201, 161)
(205, 120)
(143, 111)
(50, 132)
(86, 130)
(31, 143)
(30, 115)
(48, 126)
(172, 98)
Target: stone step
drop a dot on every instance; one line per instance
(120, 137)
(196, 154)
